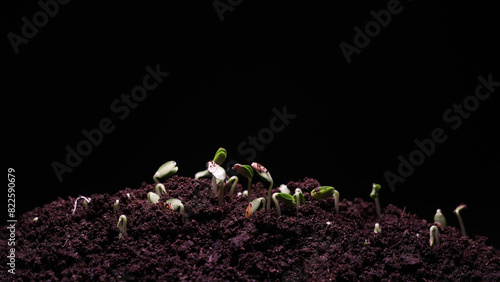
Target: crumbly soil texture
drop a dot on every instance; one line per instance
(212, 243)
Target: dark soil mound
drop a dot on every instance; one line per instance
(220, 243)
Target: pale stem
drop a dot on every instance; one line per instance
(278, 210)
(377, 205)
(434, 232)
(234, 179)
(221, 194)
(462, 226)
(268, 207)
(337, 198)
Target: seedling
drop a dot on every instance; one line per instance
(85, 203)
(434, 233)
(219, 158)
(374, 195)
(457, 212)
(284, 189)
(377, 228)
(299, 198)
(175, 204)
(264, 174)
(325, 192)
(246, 171)
(116, 205)
(160, 189)
(234, 180)
(439, 218)
(166, 170)
(153, 198)
(122, 225)
(285, 198)
(254, 206)
(218, 173)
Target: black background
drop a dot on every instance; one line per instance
(352, 120)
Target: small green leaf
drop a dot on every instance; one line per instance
(220, 156)
(287, 199)
(244, 170)
(375, 188)
(166, 170)
(216, 170)
(322, 192)
(153, 197)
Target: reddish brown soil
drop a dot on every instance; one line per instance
(214, 243)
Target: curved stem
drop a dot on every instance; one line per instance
(337, 199)
(434, 232)
(278, 210)
(234, 179)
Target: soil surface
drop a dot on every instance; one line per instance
(212, 243)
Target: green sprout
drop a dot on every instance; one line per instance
(377, 228)
(166, 170)
(434, 233)
(116, 204)
(439, 218)
(254, 206)
(374, 195)
(122, 225)
(220, 156)
(264, 174)
(325, 192)
(457, 212)
(175, 204)
(218, 174)
(247, 172)
(299, 198)
(153, 198)
(285, 198)
(160, 189)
